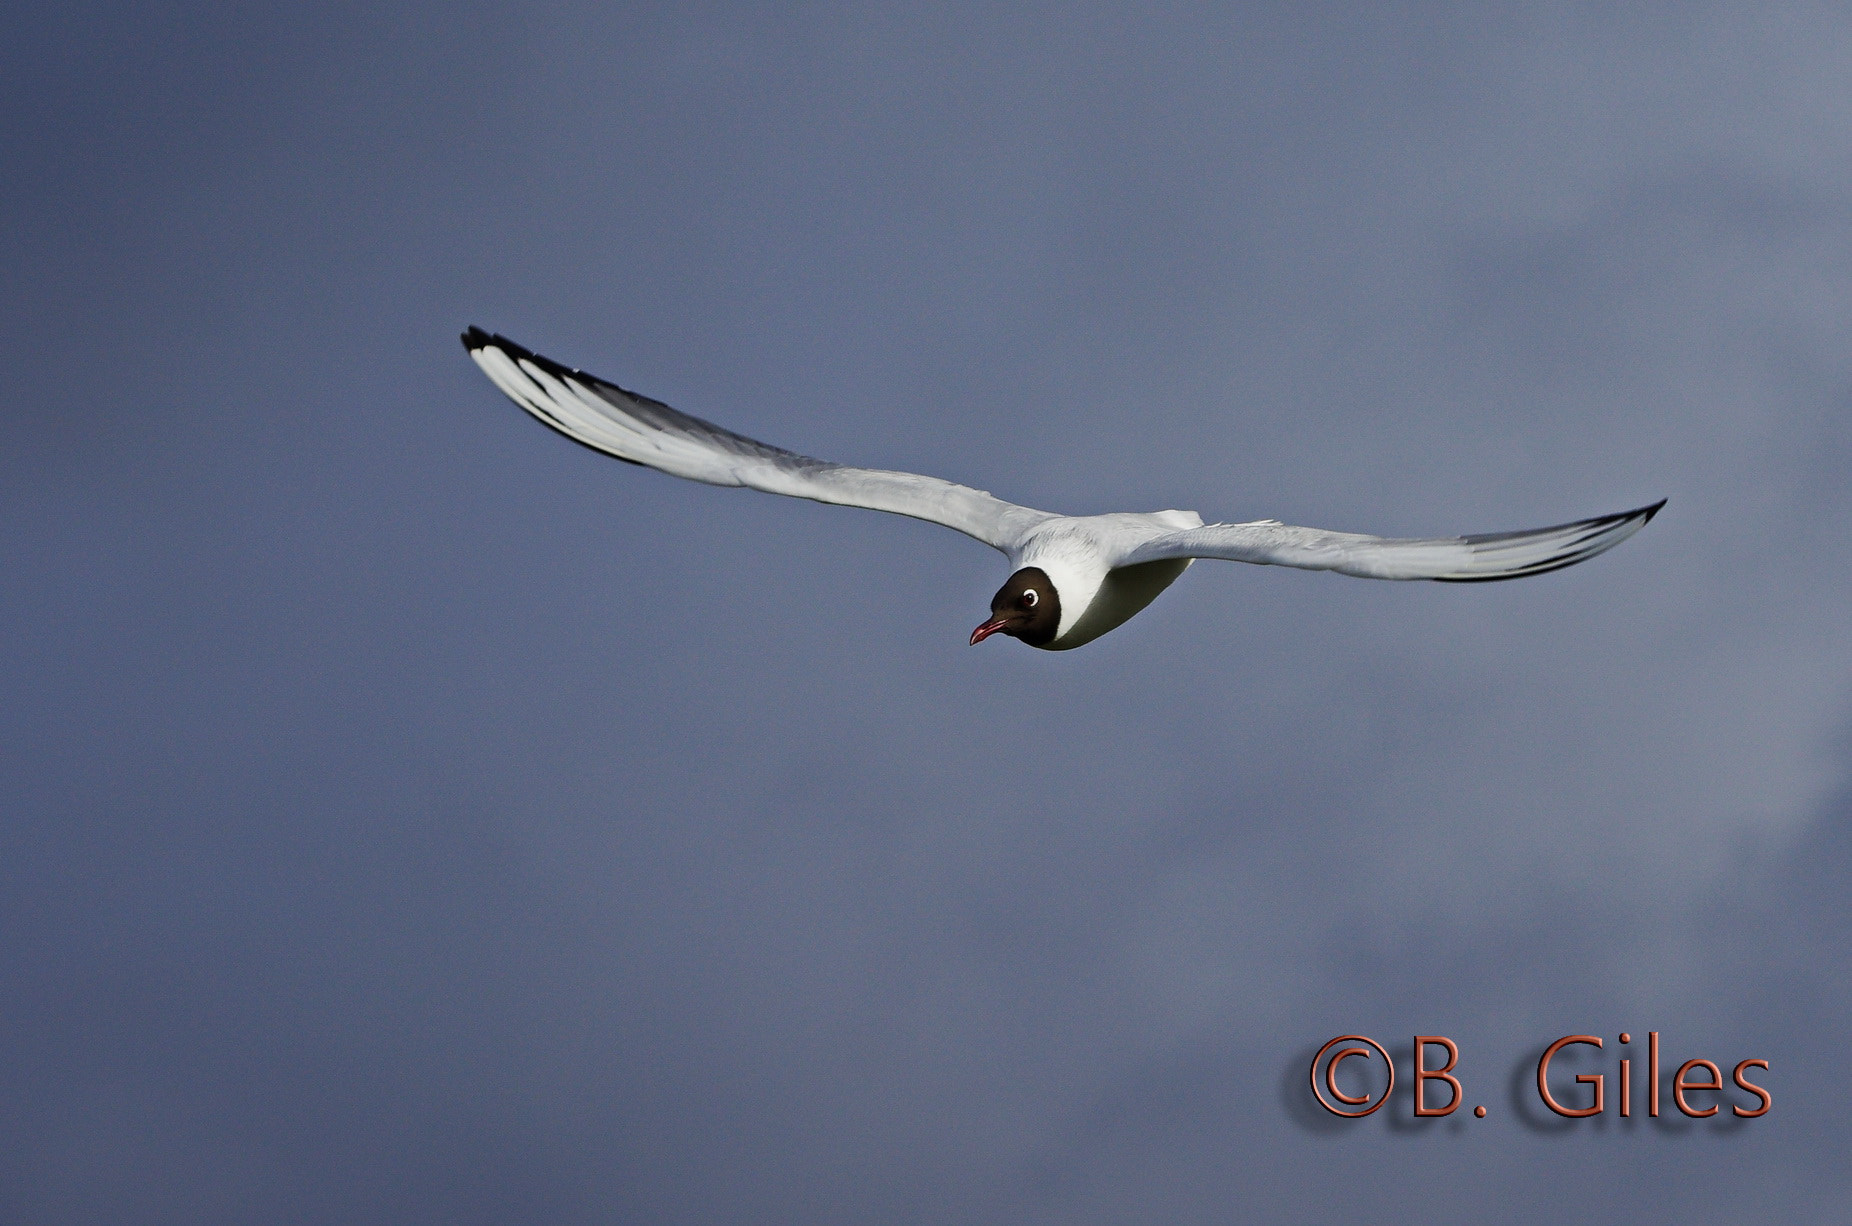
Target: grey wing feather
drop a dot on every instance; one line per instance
(639, 430)
(1454, 559)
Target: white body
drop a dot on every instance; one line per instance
(1083, 556)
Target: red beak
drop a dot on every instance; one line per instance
(988, 628)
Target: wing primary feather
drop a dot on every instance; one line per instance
(1600, 535)
(1482, 558)
(639, 429)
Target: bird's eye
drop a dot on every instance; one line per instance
(1028, 599)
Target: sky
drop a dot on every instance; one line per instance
(411, 817)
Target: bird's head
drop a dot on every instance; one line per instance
(1026, 607)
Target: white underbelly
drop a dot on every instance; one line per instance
(1126, 590)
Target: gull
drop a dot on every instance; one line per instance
(1074, 577)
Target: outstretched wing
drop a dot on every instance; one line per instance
(1453, 559)
(638, 430)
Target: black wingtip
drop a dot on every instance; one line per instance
(1602, 526)
(476, 339)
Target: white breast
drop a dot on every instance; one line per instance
(1080, 555)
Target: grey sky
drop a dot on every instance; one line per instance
(412, 817)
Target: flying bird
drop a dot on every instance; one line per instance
(1074, 577)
